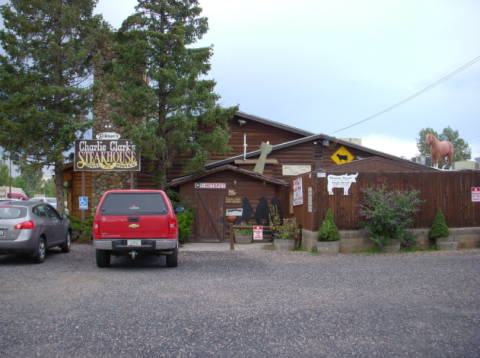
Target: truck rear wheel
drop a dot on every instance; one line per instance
(172, 259)
(103, 258)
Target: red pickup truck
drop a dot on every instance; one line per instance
(135, 222)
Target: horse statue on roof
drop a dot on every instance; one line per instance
(439, 150)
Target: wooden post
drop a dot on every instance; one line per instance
(83, 194)
(232, 245)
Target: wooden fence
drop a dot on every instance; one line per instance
(449, 191)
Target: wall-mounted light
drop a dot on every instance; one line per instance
(108, 125)
(241, 122)
(235, 183)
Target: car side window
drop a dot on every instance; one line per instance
(40, 211)
(52, 213)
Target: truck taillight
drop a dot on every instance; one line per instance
(172, 227)
(25, 225)
(96, 226)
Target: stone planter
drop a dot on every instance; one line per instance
(243, 239)
(392, 246)
(328, 247)
(446, 243)
(284, 244)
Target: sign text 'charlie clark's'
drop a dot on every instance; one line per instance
(94, 155)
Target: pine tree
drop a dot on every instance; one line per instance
(49, 47)
(159, 77)
(328, 231)
(439, 227)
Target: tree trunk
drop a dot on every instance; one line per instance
(59, 187)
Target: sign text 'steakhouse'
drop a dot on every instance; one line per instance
(93, 154)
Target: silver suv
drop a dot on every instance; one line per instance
(30, 227)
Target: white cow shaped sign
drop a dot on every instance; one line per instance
(340, 181)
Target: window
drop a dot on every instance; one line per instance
(134, 204)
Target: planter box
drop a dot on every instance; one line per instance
(243, 239)
(284, 244)
(328, 247)
(446, 243)
(392, 246)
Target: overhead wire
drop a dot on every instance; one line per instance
(415, 95)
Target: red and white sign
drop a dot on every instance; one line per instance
(258, 232)
(297, 192)
(476, 194)
(210, 185)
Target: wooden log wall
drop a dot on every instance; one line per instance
(77, 192)
(445, 190)
(246, 187)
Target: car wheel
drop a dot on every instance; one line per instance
(172, 259)
(41, 252)
(103, 258)
(68, 242)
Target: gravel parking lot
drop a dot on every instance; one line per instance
(242, 304)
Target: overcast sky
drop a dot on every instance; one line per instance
(324, 65)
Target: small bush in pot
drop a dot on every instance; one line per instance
(328, 239)
(243, 235)
(439, 231)
(284, 232)
(328, 231)
(439, 226)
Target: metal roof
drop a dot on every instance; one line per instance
(196, 176)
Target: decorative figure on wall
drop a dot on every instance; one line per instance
(246, 213)
(265, 149)
(439, 150)
(262, 211)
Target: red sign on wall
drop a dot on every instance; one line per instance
(476, 194)
(258, 232)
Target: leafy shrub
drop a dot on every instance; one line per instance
(388, 214)
(185, 221)
(328, 231)
(283, 229)
(244, 231)
(82, 232)
(439, 227)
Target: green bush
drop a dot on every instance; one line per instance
(185, 221)
(328, 231)
(82, 232)
(244, 231)
(439, 227)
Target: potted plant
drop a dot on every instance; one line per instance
(328, 239)
(284, 232)
(388, 216)
(244, 235)
(439, 232)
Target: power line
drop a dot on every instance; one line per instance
(416, 94)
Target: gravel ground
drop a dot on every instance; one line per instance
(242, 304)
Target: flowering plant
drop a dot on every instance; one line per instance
(388, 214)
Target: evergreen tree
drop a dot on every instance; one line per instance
(4, 174)
(49, 47)
(328, 231)
(159, 79)
(439, 226)
(461, 148)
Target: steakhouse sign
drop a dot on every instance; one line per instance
(109, 155)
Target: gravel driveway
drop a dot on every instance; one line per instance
(242, 304)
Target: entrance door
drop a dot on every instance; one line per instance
(210, 213)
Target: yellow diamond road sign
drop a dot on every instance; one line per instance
(342, 155)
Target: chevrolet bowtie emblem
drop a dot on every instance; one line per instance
(134, 226)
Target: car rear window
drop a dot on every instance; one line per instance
(134, 204)
(12, 212)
